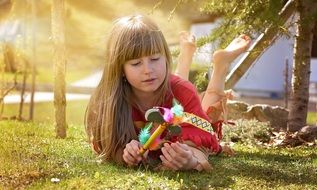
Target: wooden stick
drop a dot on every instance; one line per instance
(156, 133)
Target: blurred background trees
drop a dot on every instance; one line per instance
(27, 29)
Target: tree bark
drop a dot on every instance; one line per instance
(314, 54)
(59, 60)
(33, 70)
(307, 11)
(2, 82)
(25, 74)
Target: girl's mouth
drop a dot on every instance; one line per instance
(149, 80)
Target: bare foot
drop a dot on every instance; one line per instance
(225, 56)
(187, 42)
(221, 62)
(227, 150)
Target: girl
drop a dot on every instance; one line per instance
(137, 77)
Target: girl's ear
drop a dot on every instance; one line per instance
(124, 78)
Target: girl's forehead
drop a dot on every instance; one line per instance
(146, 56)
(142, 50)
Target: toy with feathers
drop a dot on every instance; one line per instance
(150, 137)
(165, 118)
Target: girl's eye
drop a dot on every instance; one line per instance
(155, 58)
(135, 64)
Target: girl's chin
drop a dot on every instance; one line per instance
(147, 90)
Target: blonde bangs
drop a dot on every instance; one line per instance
(145, 43)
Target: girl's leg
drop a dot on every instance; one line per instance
(187, 50)
(221, 63)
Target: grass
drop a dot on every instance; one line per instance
(44, 111)
(31, 157)
(311, 118)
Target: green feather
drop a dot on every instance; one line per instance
(177, 108)
(145, 133)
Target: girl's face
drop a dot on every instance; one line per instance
(145, 74)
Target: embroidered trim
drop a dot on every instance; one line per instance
(198, 122)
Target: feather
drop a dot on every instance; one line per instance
(177, 109)
(145, 133)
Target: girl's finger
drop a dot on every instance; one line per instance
(129, 158)
(168, 164)
(181, 149)
(183, 146)
(133, 150)
(173, 156)
(183, 156)
(145, 154)
(167, 154)
(170, 152)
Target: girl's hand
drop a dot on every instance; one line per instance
(131, 154)
(178, 156)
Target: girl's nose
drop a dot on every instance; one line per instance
(147, 67)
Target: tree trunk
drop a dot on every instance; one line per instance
(33, 70)
(59, 60)
(307, 10)
(24, 73)
(2, 82)
(23, 61)
(314, 54)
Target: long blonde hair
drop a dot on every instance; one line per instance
(108, 119)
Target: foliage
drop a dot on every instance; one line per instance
(201, 81)
(238, 17)
(247, 132)
(31, 157)
(7, 64)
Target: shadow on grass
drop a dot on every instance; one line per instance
(276, 168)
(269, 169)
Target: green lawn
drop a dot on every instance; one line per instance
(31, 157)
(311, 118)
(44, 111)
